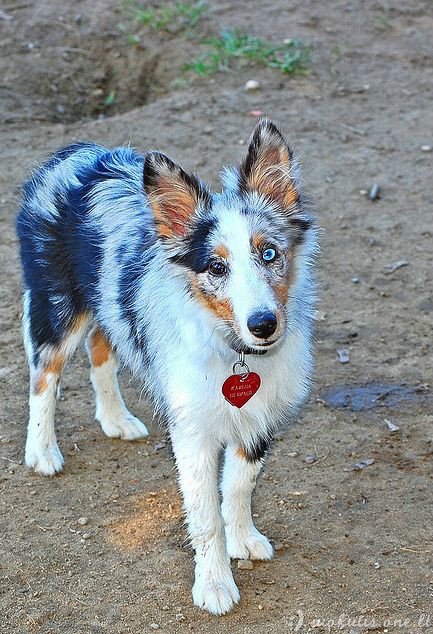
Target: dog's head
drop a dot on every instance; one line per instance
(241, 250)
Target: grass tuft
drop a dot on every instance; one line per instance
(290, 57)
(177, 16)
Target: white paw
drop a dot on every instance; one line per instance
(250, 545)
(126, 426)
(44, 460)
(217, 596)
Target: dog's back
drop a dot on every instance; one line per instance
(62, 238)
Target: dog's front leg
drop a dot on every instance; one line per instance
(240, 473)
(197, 462)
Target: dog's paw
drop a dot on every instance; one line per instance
(127, 427)
(44, 460)
(251, 545)
(217, 596)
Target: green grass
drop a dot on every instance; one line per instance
(109, 99)
(290, 57)
(176, 15)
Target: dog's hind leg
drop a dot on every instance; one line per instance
(47, 356)
(240, 473)
(111, 412)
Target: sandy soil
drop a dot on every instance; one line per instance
(353, 542)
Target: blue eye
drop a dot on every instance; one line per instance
(269, 254)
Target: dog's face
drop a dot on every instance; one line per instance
(239, 249)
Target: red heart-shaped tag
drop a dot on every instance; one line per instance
(238, 390)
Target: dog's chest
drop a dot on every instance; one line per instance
(193, 384)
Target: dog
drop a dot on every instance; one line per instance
(207, 297)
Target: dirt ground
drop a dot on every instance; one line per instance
(354, 544)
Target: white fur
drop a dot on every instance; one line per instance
(111, 412)
(244, 541)
(42, 452)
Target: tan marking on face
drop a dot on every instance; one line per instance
(241, 453)
(100, 349)
(53, 366)
(257, 240)
(282, 292)
(222, 252)
(282, 288)
(220, 307)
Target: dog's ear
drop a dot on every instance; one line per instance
(269, 167)
(173, 194)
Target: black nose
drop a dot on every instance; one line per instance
(263, 324)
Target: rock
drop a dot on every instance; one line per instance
(426, 148)
(251, 85)
(374, 193)
(83, 521)
(343, 355)
(245, 564)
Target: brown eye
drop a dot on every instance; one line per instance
(217, 268)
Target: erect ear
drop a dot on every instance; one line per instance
(173, 194)
(268, 166)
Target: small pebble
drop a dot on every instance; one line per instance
(82, 521)
(245, 564)
(343, 355)
(426, 148)
(154, 626)
(355, 280)
(363, 192)
(374, 192)
(279, 546)
(392, 426)
(376, 565)
(86, 535)
(252, 84)
(310, 459)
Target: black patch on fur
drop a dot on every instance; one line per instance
(258, 450)
(133, 266)
(301, 226)
(197, 251)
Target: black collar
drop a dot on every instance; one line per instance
(250, 351)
